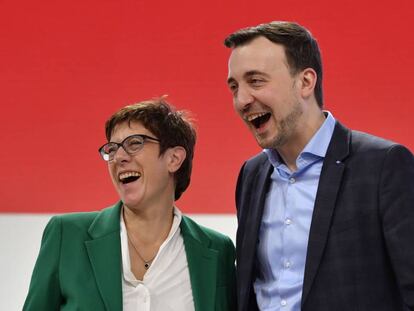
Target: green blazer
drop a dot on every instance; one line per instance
(79, 265)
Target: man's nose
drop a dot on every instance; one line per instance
(243, 99)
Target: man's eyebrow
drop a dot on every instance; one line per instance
(230, 80)
(247, 75)
(250, 73)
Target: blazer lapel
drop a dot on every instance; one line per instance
(329, 184)
(104, 252)
(202, 265)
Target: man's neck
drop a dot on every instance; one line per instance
(290, 151)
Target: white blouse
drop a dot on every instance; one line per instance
(166, 284)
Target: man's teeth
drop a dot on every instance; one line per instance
(126, 175)
(252, 117)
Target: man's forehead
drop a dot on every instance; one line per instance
(260, 46)
(258, 55)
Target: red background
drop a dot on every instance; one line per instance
(66, 66)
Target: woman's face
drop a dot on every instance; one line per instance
(142, 179)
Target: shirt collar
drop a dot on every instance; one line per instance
(317, 146)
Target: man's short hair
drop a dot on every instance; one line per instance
(301, 48)
(173, 128)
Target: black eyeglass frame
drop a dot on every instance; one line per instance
(121, 144)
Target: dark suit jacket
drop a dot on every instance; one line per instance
(79, 265)
(361, 244)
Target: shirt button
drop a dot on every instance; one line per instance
(287, 264)
(288, 221)
(292, 180)
(283, 302)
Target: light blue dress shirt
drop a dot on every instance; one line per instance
(284, 230)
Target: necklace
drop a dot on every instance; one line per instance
(147, 263)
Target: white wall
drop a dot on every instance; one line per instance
(20, 237)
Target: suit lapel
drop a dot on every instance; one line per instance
(249, 226)
(202, 265)
(329, 184)
(104, 252)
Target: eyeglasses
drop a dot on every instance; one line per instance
(132, 144)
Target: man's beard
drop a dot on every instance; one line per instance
(285, 128)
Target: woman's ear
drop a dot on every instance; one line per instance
(176, 157)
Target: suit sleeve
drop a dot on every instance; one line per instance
(44, 290)
(239, 190)
(397, 209)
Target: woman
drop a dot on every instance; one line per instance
(141, 253)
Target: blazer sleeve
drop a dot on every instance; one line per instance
(396, 201)
(230, 258)
(44, 290)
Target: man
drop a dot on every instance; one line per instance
(326, 214)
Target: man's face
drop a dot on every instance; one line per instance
(265, 94)
(141, 179)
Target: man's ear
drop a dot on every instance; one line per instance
(176, 157)
(308, 78)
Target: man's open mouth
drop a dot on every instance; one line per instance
(259, 119)
(129, 177)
